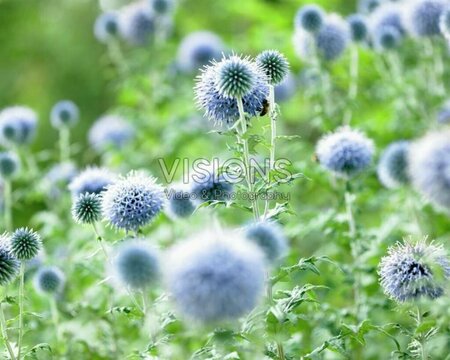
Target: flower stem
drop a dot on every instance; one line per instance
(21, 301)
(5, 333)
(273, 137)
(64, 144)
(7, 200)
(100, 241)
(353, 89)
(280, 351)
(55, 318)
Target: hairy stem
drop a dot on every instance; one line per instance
(273, 137)
(21, 301)
(100, 241)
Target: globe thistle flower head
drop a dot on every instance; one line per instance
(215, 277)
(359, 27)
(269, 237)
(414, 270)
(198, 49)
(422, 17)
(135, 265)
(179, 202)
(444, 23)
(210, 186)
(9, 165)
(443, 116)
(92, 180)
(87, 208)
(106, 27)
(9, 265)
(17, 125)
(110, 131)
(286, 89)
(386, 38)
(393, 165)
(49, 280)
(224, 110)
(274, 64)
(25, 244)
(64, 114)
(310, 18)
(345, 152)
(137, 23)
(429, 168)
(387, 14)
(161, 7)
(333, 38)
(368, 6)
(132, 202)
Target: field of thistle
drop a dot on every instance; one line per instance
(227, 179)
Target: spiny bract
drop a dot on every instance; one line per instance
(87, 208)
(269, 237)
(132, 202)
(414, 270)
(93, 180)
(345, 152)
(25, 243)
(64, 114)
(274, 64)
(17, 125)
(215, 277)
(9, 265)
(49, 280)
(393, 165)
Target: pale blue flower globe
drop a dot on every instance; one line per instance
(17, 126)
(49, 280)
(422, 17)
(92, 180)
(269, 237)
(359, 27)
(386, 38)
(9, 165)
(9, 265)
(110, 131)
(106, 26)
(310, 18)
(64, 114)
(388, 14)
(393, 165)
(179, 202)
(137, 24)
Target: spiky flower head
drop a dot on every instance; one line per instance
(222, 109)
(274, 64)
(17, 125)
(137, 23)
(64, 114)
(393, 165)
(161, 7)
(359, 27)
(9, 265)
(310, 18)
(210, 185)
(345, 152)
(235, 76)
(106, 26)
(387, 14)
(87, 208)
(179, 202)
(198, 49)
(443, 116)
(414, 270)
(386, 38)
(422, 17)
(110, 131)
(215, 277)
(92, 180)
(25, 243)
(136, 265)
(444, 23)
(269, 237)
(429, 168)
(9, 165)
(49, 280)
(133, 201)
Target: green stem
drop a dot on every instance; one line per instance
(353, 88)
(21, 301)
(100, 241)
(273, 137)
(64, 144)
(7, 203)
(280, 351)
(4, 330)
(421, 338)
(55, 318)
(246, 155)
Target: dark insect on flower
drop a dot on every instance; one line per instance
(265, 108)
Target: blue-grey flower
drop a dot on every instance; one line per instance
(388, 14)
(274, 64)
(64, 114)
(132, 202)
(179, 202)
(9, 265)
(359, 27)
(106, 26)
(17, 125)
(9, 165)
(386, 38)
(87, 208)
(286, 89)
(422, 17)
(310, 18)
(414, 270)
(209, 185)
(368, 6)
(269, 237)
(25, 243)
(137, 23)
(49, 280)
(161, 7)
(93, 180)
(110, 131)
(393, 165)
(215, 277)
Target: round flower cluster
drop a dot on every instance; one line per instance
(92, 180)
(422, 17)
(359, 27)
(274, 64)
(106, 27)
(64, 114)
(87, 209)
(49, 280)
(393, 165)
(9, 265)
(211, 186)
(179, 203)
(25, 244)
(269, 237)
(9, 165)
(110, 131)
(17, 126)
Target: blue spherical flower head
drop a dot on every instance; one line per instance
(386, 38)
(359, 27)
(136, 265)
(235, 76)
(17, 126)
(64, 114)
(137, 24)
(179, 203)
(388, 14)
(161, 7)
(368, 6)
(198, 49)
(25, 244)
(414, 270)
(286, 89)
(443, 116)
(9, 165)
(444, 23)
(345, 152)
(9, 265)
(49, 280)
(393, 165)
(310, 18)
(274, 64)
(92, 180)
(106, 27)
(422, 17)
(110, 131)
(87, 208)
(215, 277)
(132, 202)
(222, 109)
(269, 237)
(429, 168)
(210, 186)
